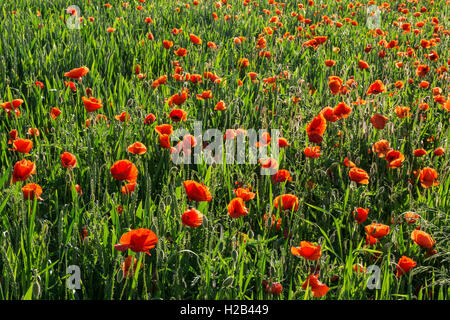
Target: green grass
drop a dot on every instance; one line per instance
(40, 239)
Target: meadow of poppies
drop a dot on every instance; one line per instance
(93, 97)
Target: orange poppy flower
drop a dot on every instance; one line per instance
(166, 129)
(330, 63)
(376, 88)
(22, 145)
(269, 163)
(420, 152)
(328, 114)
(318, 288)
(377, 230)
(244, 193)
(236, 208)
(195, 39)
(243, 63)
(381, 148)
(192, 218)
(411, 217)
(359, 175)
(123, 117)
(394, 159)
(286, 202)
(312, 152)
(128, 188)
(307, 250)
(91, 104)
(427, 177)
(281, 176)
(348, 163)
(220, 106)
(181, 52)
(77, 73)
(402, 112)
(138, 240)
(137, 148)
(335, 84)
(54, 113)
(282, 142)
(360, 215)
(212, 45)
(342, 110)
(363, 65)
(167, 44)
(423, 239)
(68, 160)
(71, 85)
(404, 265)
(32, 191)
(378, 121)
(197, 191)
(124, 170)
(205, 95)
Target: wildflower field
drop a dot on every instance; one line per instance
(353, 96)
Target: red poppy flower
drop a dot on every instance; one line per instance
(54, 113)
(192, 218)
(177, 115)
(348, 163)
(286, 202)
(166, 129)
(420, 152)
(22, 145)
(124, 170)
(376, 88)
(195, 39)
(377, 230)
(32, 191)
(178, 99)
(197, 191)
(404, 265)
(360, 215)
(428, 177)
(138, 240)
(312, 152)
(359, 175)
(149, 119)
(68, 160)
(342, 110)
(318, 288)
(378, 121)
(307, 250)
(316, 127)
(244, 193)
(137, 148)
(281, 176)
(164, 141)
(181, 52)
(220, 106)
(22, 170)
(129, 267)
(394, 159)
(91, 104)
(128, 188)
(381, 148)
(77, 73)
(363, 65)
(236, 208)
